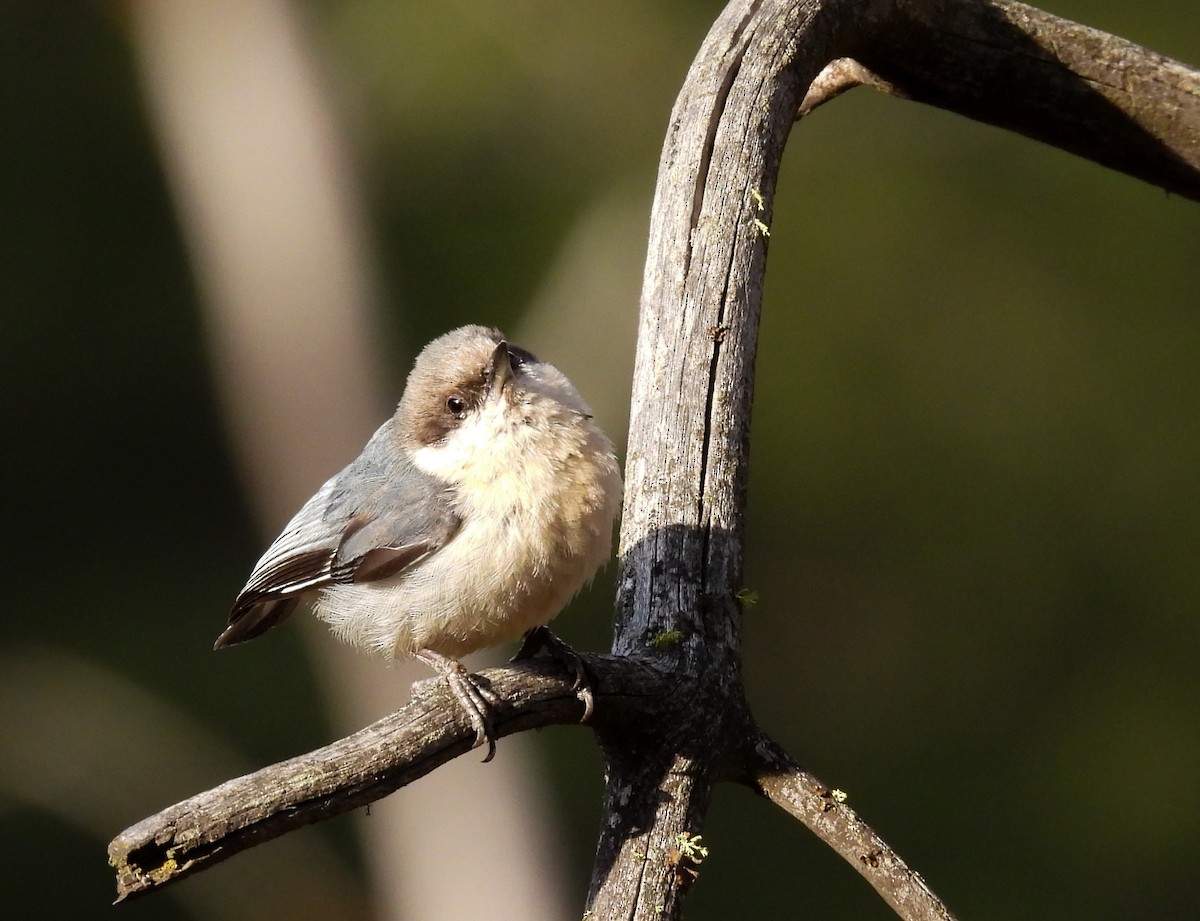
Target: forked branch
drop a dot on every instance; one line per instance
(681, 549)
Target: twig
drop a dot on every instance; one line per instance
(839, 76)
(824, 811)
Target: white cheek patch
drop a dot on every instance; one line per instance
(467, 453)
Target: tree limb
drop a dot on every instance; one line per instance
(686, 471)
(1077, 88)
(361, 768)
(1016, 67)
(775, 775)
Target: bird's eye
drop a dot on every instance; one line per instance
(456, 405)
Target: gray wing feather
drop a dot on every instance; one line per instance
(373, 520)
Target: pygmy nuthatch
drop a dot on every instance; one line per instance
(472, 516)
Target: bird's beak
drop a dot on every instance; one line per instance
(500, 371)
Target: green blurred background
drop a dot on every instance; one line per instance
(974, 523)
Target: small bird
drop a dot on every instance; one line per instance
(472, 516)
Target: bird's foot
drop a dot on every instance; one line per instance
(475, 699)
(544, 638)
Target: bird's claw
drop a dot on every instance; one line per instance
(475, 699)
(544, 638)
(471, 698)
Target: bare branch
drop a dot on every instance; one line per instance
(824, 811)
(361, 768)
(682, 536)
(1010, 65)
(1077, 88)
(682, 533)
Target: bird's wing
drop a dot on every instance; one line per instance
(373, 520)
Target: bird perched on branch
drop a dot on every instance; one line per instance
(472, 517)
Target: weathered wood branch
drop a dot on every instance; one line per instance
(682, 537)
(368, 765)
(1077, 88)
(671, 716)
(774, 774)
